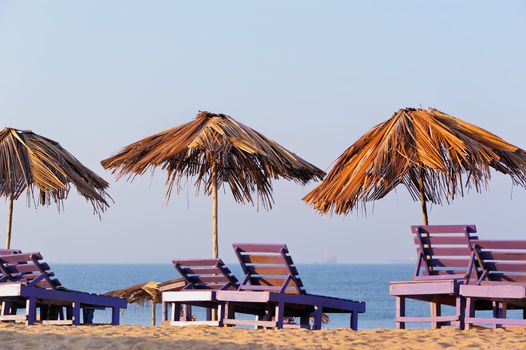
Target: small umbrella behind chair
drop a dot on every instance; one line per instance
(142, 293)
(434, 155)
(31, 163)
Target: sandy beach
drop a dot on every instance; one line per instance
(165, 337)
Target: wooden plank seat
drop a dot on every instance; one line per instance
(203, 278)
(273, 291)
(444, 262)
(501, 285)
(27, 283)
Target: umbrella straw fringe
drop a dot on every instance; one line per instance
(447, 155)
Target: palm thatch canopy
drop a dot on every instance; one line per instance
(30, 162)
(241, 157)
(436, 156)
(216, 149)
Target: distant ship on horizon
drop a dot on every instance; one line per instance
(329, 259)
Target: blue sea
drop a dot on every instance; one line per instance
(369, 283)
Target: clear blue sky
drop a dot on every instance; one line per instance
(314, 76)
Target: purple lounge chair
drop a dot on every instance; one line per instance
(27, 283)
(445, 260)
(203, 277)
(501, 285)
(273, 291)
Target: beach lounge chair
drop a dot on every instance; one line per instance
(273, 291)
(203, 277)
(444, 262)
(501, 286)
(27, 283)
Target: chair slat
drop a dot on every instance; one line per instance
(502, 255)
(19, 258)
(260, 248)
(202, 271)
(26, 268)
(443, 240)
(207, 279)
(512, 245)
(505, 267)
(196, 262)
(259, 270)
(444, 229)
(449, 262)
(265, 259)
(504, 277)
(265, 281)
(448, 251)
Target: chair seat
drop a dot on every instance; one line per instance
(423, 287)
(501, 290)
(189, 296)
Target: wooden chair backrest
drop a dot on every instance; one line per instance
(28, 269)
(444, 251)
(206, 274)
(268, 267)
(501, 261)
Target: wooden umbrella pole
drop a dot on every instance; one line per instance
(433, 307)
(9, 221)
(154, 303)
(422, 196)
(215, 250)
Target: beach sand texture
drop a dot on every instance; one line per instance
(202, 337)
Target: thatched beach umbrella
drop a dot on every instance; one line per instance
(435, 155)
(147, 292)
(217, 150)
(30, 163)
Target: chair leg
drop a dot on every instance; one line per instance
(258, 318)
(400, 312)
(115, 316)
(469, 313)
(501, 313)
(175, 312)
(436, 311)
(354, 321)
(44, 312)
(317, 315)
(164, 311)
(6, 308)
(280, 314)
(220, 314)
(460, 312)
(31, 308)
(88, 315)
(496, 313)
(187, 312)
(76, 313)
(304, 321)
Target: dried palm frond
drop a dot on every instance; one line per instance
(139, 293)
(147, 292)
(30, 162)
(436, 156)
(241, 157)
